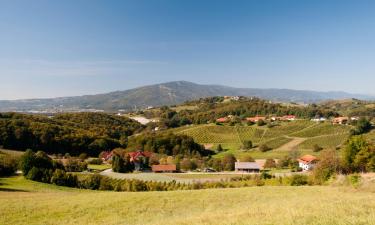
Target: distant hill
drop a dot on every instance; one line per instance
(167, 94)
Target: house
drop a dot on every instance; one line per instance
(139, 159)
(164, 168)
(255, 118)
(247, 167)
(307, 162)
(107, 155)
(340, 120)
(222, 120)
(354, 118)
(319, 119)
(289, 117)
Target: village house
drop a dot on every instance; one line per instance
(171, 168)
(139, 159)
(247, 167)
(340, 120)
(319, 119)
(307, 162)
(256, 118)
(222, 120)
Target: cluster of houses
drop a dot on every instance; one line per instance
(258, 118)
(306, 163)
(342, 120)
(138, 158)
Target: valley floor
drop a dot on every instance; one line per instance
(27, 202)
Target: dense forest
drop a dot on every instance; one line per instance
(72, 133)
(167, 144)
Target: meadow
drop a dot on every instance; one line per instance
(28, 202)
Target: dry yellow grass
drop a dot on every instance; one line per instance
(46, 204)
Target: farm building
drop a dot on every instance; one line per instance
(340, 120)
(307, 162)
(164, 168)
(248, 167)
(255, 118)
(222, 120)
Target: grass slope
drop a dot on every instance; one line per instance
(47, 204)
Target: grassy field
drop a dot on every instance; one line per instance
(26, 202)
(99, 167)
(167, 177)
(301, 135)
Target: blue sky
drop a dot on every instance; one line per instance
(74, 47)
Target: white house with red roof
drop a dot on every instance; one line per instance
(307, 162)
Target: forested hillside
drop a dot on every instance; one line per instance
(66, 133)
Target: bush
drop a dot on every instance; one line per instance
(248, 144)
(8, 165)
(270, 163)
(261, 123)
(75, 165)
(317, 148)
(264, 148)
(95, 161)
(298, 180)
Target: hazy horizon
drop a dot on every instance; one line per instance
(72, 48)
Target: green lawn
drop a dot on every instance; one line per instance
(48, 205)
(99, 167)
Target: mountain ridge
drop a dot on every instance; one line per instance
(169, 93)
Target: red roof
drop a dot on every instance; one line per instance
(307, 159)
(256, 118)
(136, 155)
(164, 168)
(222, 120)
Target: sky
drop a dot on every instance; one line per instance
(75, 47)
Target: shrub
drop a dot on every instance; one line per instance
(298, 180)
(326, 167)
(317, 148)
(270, 163)
(75, 165)
(264, 148)
(95, 161)
(261, 123)
(8, 165)
(248, 144)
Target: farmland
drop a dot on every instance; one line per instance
(282, 138)
(27, 202)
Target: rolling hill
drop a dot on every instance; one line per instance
(165, 94)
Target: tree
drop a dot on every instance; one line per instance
(248, 144)
(118, 164)
(317, 148)
(326, 167)
(27, 161)
(270, 163)
(363, 125)
(186, 164)
(264, 148)
(228, 162)
(219, 148)
(261, 123)
(350, 161)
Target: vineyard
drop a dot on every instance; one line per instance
(301, 135)
(329, 141)
(322, 129)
